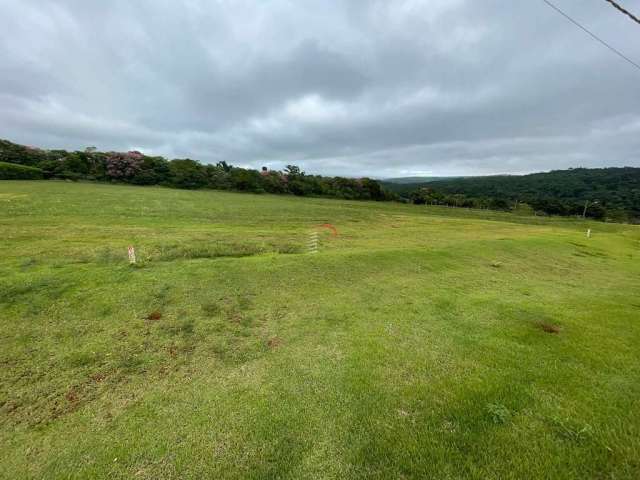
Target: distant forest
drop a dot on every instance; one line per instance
(611, 194)
(601, 193)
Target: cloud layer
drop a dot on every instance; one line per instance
(378, 88)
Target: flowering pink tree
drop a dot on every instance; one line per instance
(121, 166)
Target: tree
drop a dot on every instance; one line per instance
(293, 171)
(218, 176)
(247, 180)
(153, 171)
(373, 189)
(123, 166)
(273, 182)
(224, 166)
(187, 173)
(295, 180)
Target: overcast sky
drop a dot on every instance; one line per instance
(354, 87)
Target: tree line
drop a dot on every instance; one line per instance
(600, 193)
(604, 193)
(138, 169)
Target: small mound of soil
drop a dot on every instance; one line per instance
(547, 327)
(71, 396)
(155, 315)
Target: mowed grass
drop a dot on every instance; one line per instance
(421, 342)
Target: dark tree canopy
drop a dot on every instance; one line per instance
(607, 193)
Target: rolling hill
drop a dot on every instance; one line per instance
(419, 342)
(611, 191)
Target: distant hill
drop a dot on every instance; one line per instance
(608, 192)
(414, 180)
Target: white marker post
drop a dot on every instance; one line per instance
(588, 233)
(312, 245)
(132, 255)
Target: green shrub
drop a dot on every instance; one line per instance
(499, 413)
(13, 171)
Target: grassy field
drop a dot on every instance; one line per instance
(421, 342)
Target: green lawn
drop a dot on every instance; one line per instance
(413, 345)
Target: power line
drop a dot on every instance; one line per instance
(624, 10)
(593, 35)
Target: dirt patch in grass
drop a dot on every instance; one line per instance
(155, 315)
(98, 377)
(549, 328)
(274, 342)
(72, 396)
(538, 319)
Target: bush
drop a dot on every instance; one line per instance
(245, 180)
(187, 173)
(13, 171)
(124, 166)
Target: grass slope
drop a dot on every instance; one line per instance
(411, 346)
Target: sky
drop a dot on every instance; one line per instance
(353, 88)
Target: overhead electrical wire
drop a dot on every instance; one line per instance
(624, 10)
(593, 35)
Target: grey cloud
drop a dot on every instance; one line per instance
(340, 87)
